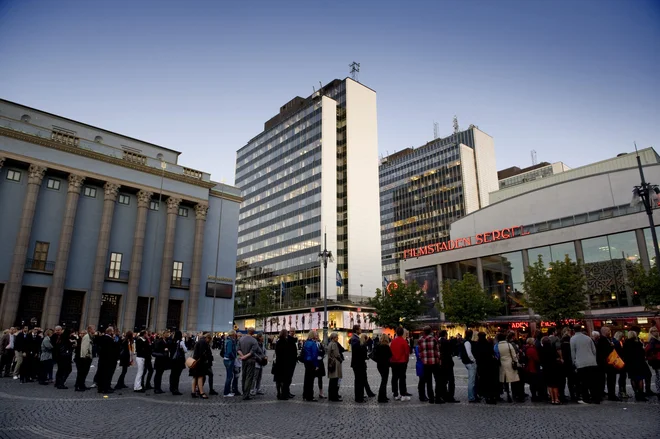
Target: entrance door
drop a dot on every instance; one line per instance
(174, 314)
(72, 308)
(30, 306)
(144, 309)
(109, 311)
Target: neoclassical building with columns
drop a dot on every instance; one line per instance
(104, 229)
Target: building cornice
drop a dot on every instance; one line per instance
(226, 196)
(102, 157)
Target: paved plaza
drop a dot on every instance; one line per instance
(34, 411)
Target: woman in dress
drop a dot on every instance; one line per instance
(200, 354)
(551, 364)
(633, 357)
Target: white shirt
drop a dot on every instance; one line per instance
(468, 351)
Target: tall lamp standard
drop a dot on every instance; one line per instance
(324, 257)
(647, 193)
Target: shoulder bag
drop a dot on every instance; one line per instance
(514, 363)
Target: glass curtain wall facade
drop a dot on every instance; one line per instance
(279, 174)
(421, 194)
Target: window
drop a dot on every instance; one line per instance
(154, 205)
(115, 265)
(13, 175)
(177, 272)
(124, 199)
(53, 184)
(40, 255)
(89, 192)
(183, 211)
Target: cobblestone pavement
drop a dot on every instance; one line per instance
(33, 411)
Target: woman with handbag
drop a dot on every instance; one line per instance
(508, 364)
(335, 359)
(199, 366)
(282, 363)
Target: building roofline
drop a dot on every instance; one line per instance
(88, 125)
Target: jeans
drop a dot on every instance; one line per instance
(83, 369)
(229, 367)
(137, 385)
(399, 379)
(472, 378)
(384, 372)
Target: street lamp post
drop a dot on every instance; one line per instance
(647, 193)
(324, 256)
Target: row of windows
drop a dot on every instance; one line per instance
(115, 268)
(277, 202)
(280, 225)
(275, 150)
(285, 183)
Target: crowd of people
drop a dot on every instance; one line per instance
(589, 366)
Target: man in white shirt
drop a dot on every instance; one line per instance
(470, 364)
(7, 352)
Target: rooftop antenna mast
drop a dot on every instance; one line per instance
(355, 70)
(435, 130)
(534, 161)
(456, 129)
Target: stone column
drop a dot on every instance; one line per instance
(94, 296)
(168, 259)
(56, 291)
(143, 197)
(201, 211)
(12, 291)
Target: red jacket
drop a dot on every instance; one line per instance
(400, 350)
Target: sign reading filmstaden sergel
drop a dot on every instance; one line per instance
(481, 238)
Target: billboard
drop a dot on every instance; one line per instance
(427, 281)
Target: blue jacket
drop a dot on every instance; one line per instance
(419, 366)
(230, 349)
(311, 353)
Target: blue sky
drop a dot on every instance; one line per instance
(577, 81)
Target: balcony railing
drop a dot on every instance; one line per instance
(182, 282)
(39, 265)
(116, 275)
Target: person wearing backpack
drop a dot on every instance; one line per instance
(470, 363)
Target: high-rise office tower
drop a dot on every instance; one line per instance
(312, 171)
(423, 190)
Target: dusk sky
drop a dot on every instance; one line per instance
(578, 81)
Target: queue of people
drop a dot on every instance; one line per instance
(588, 366)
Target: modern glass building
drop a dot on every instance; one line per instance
(311, 173)
(584, 213)
(423, 190)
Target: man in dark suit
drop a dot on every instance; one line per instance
(447, 367)
(108, 356)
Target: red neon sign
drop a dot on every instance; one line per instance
(481, 238)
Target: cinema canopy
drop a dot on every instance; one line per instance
(584, 213)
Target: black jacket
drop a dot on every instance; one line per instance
(382, 355)
(446, 353)
(108, 350)
(142, 348)
(21, 342)
(160, 354)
